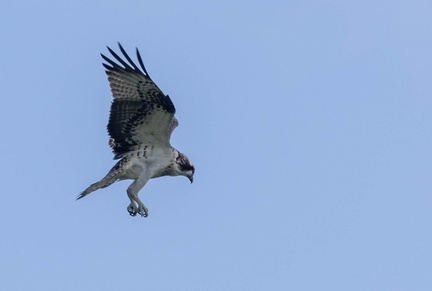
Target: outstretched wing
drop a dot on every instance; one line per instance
(140, 113)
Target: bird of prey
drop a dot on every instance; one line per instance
(140, 125)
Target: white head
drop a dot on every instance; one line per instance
(185, 166)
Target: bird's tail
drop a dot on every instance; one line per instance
(112, 176)
(105, 182)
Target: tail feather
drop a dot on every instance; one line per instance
(113, 175)
(105, 182)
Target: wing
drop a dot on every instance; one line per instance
(140, 113)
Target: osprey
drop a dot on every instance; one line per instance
(140, 125)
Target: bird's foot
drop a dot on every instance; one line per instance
(142, 210)
(132, 209)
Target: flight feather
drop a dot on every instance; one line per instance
(140, 112)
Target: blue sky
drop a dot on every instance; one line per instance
(308, 122)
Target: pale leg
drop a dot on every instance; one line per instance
(136, 206)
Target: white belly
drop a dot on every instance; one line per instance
(149, 163)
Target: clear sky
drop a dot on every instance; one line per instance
(309, 123)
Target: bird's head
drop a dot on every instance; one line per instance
(185, 166)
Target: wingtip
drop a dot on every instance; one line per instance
(140, 61)
(110, 50)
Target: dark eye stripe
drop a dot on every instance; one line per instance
(187, 167)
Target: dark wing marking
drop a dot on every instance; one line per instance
(140, 112)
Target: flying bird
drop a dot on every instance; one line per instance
(140, 125)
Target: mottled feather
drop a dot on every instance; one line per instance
(140, 112)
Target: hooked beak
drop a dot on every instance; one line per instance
(191, 179)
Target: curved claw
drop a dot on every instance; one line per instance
(143, 211)
(132, 213)
(132, 209)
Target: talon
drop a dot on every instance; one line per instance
(135, 209)
(142, 210)
(132, 213)
(143, 213)
(132, 210)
